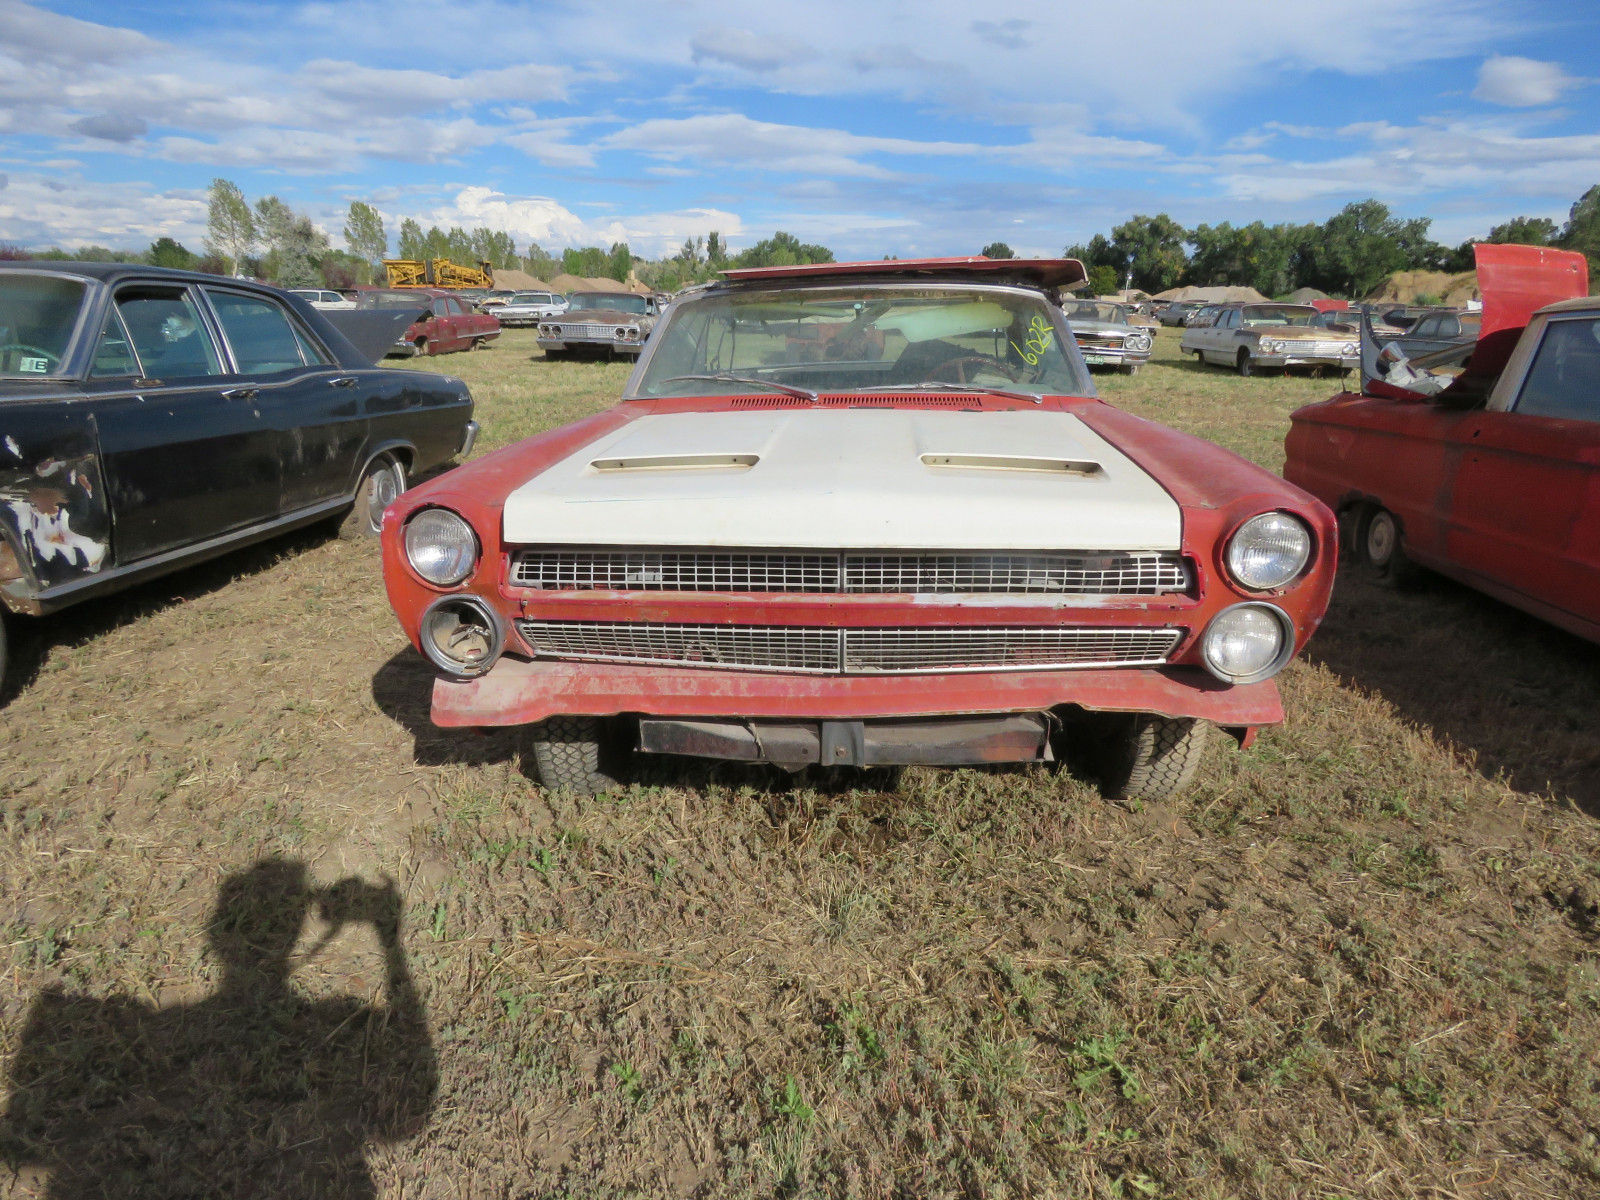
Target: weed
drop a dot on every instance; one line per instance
(1101, 1054)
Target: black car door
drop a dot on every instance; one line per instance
(187, 452)
(314, 406)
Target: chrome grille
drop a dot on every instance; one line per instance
(1300, 348)
(1125, 574)
(675, 571)
(576, 331)
(739, 647)
(1058, 573)
(851, 651)
(943, 648)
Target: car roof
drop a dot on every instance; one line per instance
(114, 272)
(1031, 272)
(1576, 304)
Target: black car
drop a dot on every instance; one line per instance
(153, 418)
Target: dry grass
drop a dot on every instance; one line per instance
(1360, 960)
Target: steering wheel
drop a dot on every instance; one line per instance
(54, 359)
(977, 362)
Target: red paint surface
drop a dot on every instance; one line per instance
(517, 692)
(1217, 491)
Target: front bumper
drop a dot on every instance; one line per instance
(517, 691)
(1288, 358)
(1106, 356)
(590, 343)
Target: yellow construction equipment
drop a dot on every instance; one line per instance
(437, 273)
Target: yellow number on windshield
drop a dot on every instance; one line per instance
(1033, 347)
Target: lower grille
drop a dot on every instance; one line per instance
(739, 647)
(1067, 572)
(811, 650)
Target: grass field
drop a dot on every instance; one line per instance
(1361, 959)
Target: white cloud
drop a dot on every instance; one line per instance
(1522, 82)
(553, 225)
(67, 210)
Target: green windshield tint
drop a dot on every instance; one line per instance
(863, 339)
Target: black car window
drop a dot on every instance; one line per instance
(1564, 380)
(113, 353)
(258, 333)
(309, 350)
(165, 326)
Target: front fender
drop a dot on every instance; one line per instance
(54, 516)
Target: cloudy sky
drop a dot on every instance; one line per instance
(872, 126)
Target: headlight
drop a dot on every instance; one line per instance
(1268, 551)
(441, 546)
(1247, 643)
(1138, 342)
(1272, 346)
(460, 635)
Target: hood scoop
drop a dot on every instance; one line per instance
(1012, 462)
(677, 462)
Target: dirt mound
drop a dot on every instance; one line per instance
(1434, 287)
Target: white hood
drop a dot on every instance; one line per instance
(848, 479)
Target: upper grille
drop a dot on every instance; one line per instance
(860, 400)
(1080, 573)
(572, 331)
(1332, 349)
(806, 649)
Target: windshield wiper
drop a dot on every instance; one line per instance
(935, 385)
(730, 377)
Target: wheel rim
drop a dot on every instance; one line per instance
(382, 487)
(1381, 537)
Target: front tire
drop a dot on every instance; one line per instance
(1148, 757)
(382, 481)
(575, 754)
(1247, 365)
(1130, 368)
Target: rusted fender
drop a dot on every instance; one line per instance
(55, 523)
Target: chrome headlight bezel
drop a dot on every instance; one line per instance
(458, 561)
(1239, 543)
(1219, 627)
(461, 609)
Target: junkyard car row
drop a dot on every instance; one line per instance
(852, 514)
(150, 419)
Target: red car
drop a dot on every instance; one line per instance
(863, 514)
(1491, 476)
(448, 322)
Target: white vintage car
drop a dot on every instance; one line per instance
(862, 514)
(1252, 338)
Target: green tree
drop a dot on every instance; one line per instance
(294, 244)
(1102, 281)
(619, 262)
(716, 251)
(539, 262)
(364, 234)
(1524, 231)
(164, 252)
(1362, 244)
(1582, 230)
(783, 250)
(997, 250)
(412, 245)
(1154, 247)
(589, 262)
(230, 227)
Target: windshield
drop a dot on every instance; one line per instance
(1277, 314)
(38, 314)
(616, 301)
(862, 338)
(1094, 310)
(524, 298)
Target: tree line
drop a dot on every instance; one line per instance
(1350, 254)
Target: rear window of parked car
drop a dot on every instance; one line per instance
(1564, 380)
(37, 316)
(164, 325)
(260, 334)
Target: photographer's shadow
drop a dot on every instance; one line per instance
(255, 1091)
